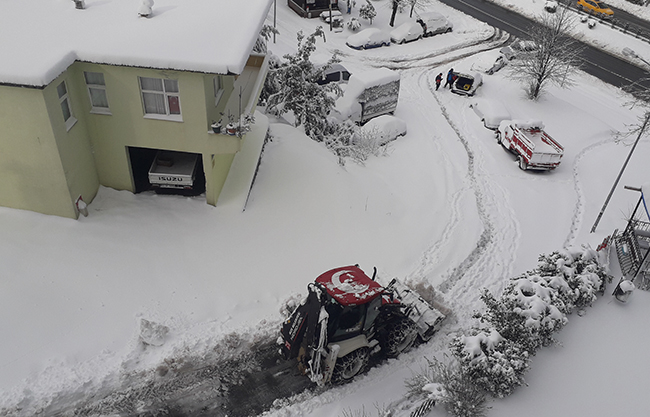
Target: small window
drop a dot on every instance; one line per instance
(97, 92)
(160, 98)
(218, 89)
(64, 101)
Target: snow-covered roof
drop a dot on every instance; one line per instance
(41, 38)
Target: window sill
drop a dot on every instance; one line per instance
(101, 111)
(69, 123)
(169, 118)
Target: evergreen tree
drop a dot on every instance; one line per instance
(290, 87)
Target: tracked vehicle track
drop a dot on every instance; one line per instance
(243, 385)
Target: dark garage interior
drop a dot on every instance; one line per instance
(141, 160)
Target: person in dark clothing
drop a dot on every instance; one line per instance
(450, 78)
(438, 80)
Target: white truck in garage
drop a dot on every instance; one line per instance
(174, 172)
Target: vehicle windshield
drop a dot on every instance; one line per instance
(602, 5)
(344, 321)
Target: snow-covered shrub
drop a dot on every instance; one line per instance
(494, 363)
(446, 383)
(459, 394)
(353, 24)
(524, 313)
(367, 11)
(580, 269)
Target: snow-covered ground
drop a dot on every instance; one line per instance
(446, 205)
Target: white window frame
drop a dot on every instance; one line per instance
(102, 87)
(64, 100)
(166, 96)
(217, 83)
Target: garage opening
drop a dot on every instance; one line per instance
(167, 172)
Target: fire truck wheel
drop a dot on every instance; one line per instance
(350, 365)
(400, 337)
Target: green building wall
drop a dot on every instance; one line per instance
(45, 168)
(32, 171)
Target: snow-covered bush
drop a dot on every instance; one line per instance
(523, 315)
(449, 385)
(353, 24)
(580, 269)
(494, 363)
(495, 356)
(534, 305)
(367, 11)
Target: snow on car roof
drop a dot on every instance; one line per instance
(349, 285)
(362, 80)
(41, 38)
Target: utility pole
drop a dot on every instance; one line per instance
(641, 132)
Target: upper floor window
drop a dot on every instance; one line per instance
(160, 98)
(218, 89)
(97, 92)
(64, 101)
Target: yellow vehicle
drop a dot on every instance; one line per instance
(595, 7)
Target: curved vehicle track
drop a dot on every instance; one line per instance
(492, 254)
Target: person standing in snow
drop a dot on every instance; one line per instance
(438, 80)
(450, 78)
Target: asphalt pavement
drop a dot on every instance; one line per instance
(596, 62)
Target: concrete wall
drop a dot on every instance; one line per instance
(32, 175)
(73, 144)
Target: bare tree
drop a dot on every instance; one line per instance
(395, 5)
(555, 57)
(420, 4)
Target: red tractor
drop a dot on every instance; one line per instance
(347, 317)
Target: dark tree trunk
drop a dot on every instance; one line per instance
(392, 15)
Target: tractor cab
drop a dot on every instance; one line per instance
(353, 301)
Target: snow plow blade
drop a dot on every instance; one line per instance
(427, 318)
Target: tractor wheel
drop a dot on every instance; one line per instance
(350, 365)
(400, 336)
(498, 135)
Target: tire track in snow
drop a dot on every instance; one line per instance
(437, 57)
(579, 211)
(491, 261)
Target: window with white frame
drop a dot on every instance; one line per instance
(218, 89)
(97, 92)
(160, 98)
(64, 101)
